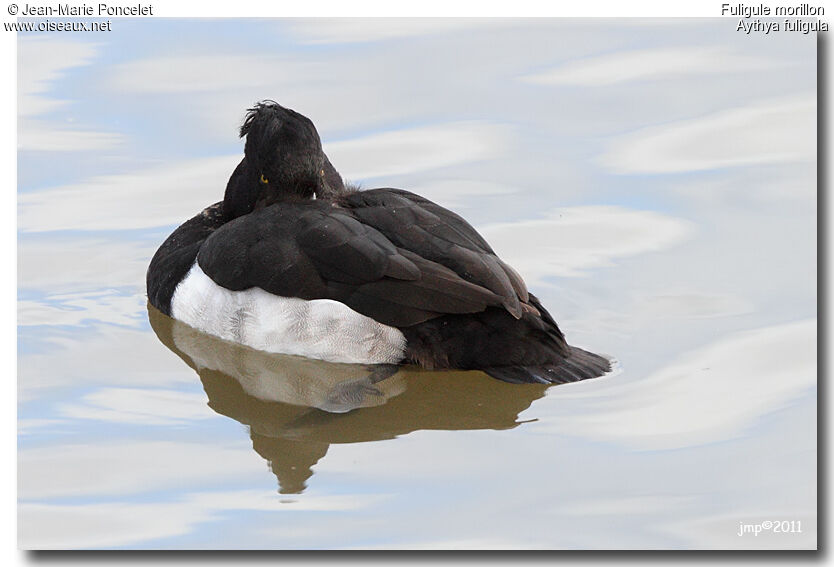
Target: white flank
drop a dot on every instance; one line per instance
(321, 328)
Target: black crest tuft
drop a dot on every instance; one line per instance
(279, 137)
(264, 111)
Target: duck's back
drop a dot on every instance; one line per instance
(401, 278)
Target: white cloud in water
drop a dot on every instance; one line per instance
(210, 73)
(416, 149)
(42, 62)
(130, 468)
(145, 406)
(641, 64)
(122, 356)
(84, 263)
(112, 524)
(767, 132)
(103, 306)
(171, 194)
(36, 135)
(150, 197)
(351, 30)
(570, 241)
(711, 394)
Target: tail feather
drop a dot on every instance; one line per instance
(579, 365)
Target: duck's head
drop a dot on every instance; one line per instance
(283, 159)
(284, 148)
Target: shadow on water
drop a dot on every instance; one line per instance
(297, 407)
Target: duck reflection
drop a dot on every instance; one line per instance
(296, 407)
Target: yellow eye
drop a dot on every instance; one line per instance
(322, 173)
(264, 179)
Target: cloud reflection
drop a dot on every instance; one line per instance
(116, 524)
(42, 62)
(712, 394)
(416, 149)
(141, 406)
(773, 131)
(653, 63)
(114, 356)
(568, 241)
(85, 264)
(169, 194)
(366, 30)
(98, 525)
(148, 197)
(106, 306)
(130, 467)
(202, 73)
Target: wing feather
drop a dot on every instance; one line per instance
(437, 234)
(313, 250)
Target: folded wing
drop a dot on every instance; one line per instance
(387, 254)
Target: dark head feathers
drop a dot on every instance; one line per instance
(283, 159)
(281, 143)
(269, 127)
(267, 117)
(261, 112)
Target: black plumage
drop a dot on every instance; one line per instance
(176, 255)
(314, 250)
(386, 253)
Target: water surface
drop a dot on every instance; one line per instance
(653, 181)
